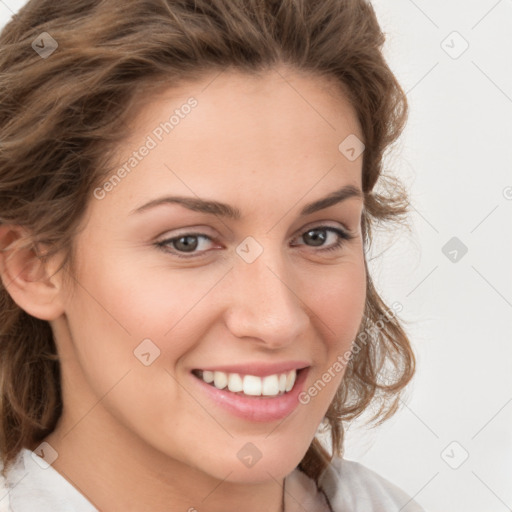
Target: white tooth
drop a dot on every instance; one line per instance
(282, 382)
(252, 385)
(290, 380)
(270, 385)
(208, 376)
(235, 383)
(220, 380)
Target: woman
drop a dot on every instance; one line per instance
(187, 195)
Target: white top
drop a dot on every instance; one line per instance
(348, 486)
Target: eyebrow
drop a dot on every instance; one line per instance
(225, 210)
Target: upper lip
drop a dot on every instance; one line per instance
(258, 369)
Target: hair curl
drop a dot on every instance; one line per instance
(61, 117)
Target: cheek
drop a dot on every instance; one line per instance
(112, 315)
(117, 308)
(136, 302)
(339, 307)
(339, 302)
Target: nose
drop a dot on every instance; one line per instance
(263, 304)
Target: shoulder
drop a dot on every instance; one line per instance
(4, 493)
(31, 484)
(351, 486)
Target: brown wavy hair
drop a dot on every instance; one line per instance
(62, 116)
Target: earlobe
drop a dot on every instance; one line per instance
(26, 277)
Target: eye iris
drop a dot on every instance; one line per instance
(187, 246)
(317, 239)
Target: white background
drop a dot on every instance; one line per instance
(456, 158)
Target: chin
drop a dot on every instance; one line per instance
(257, 465)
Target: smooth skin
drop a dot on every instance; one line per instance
(135, 437)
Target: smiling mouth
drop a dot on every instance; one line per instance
(250, 385)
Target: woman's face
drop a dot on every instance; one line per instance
(167, 296)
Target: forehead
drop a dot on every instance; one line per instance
(266, 99)
(250, 136)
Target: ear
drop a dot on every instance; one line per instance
(27, 279)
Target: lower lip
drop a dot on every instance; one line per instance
(258, 408)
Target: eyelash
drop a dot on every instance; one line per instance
(343, 236)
